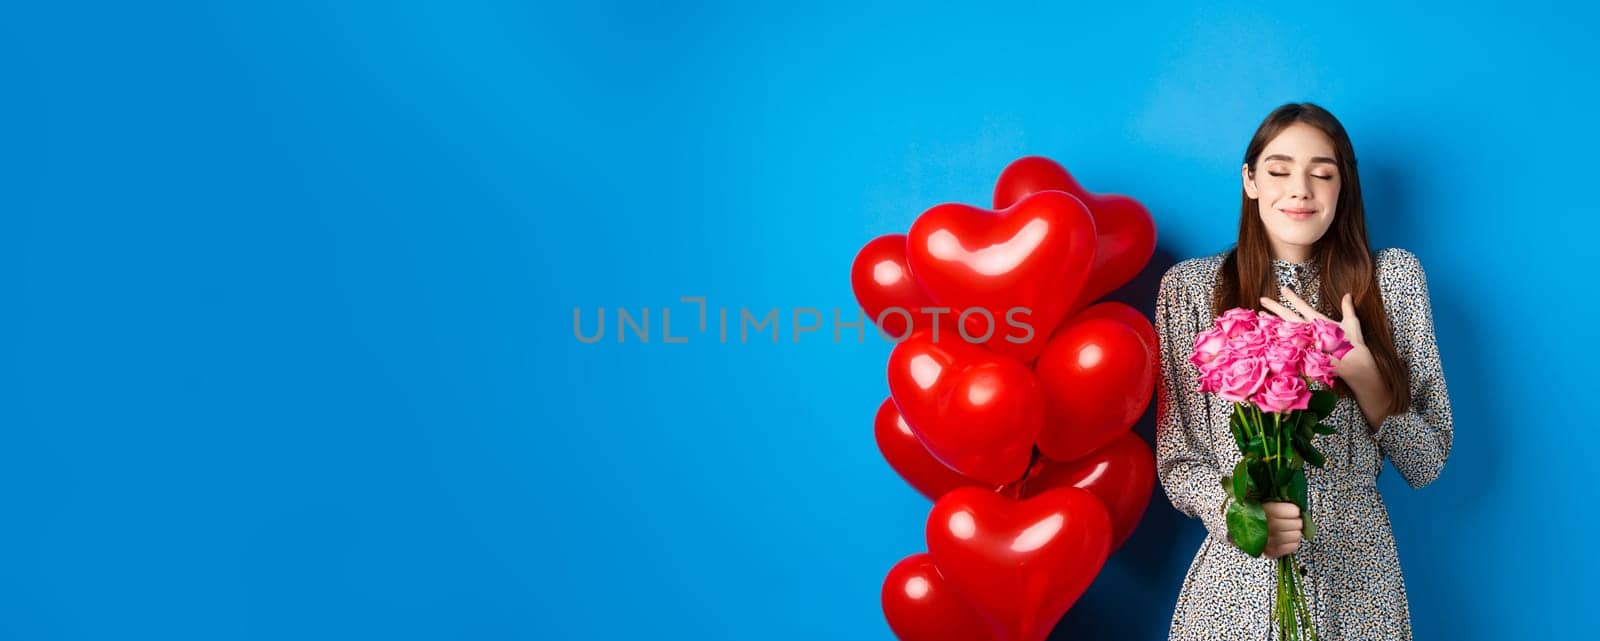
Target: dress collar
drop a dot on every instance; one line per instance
(1303, 278)
(1310, 268)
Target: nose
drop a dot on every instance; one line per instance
(1301, 188)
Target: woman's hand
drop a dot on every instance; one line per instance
(1358, 368)
(1357, 364)
(1283, 528)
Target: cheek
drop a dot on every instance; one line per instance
(1328, 193)
(1264, 208)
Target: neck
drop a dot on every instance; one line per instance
(1293, 253)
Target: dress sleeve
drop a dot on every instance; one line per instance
(1185, 462)
(1416, 441)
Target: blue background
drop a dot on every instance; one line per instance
(288, 296)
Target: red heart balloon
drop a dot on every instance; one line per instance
(885, 288)
(976, 411)
(1020, 564)
(910, 458)
(1097, 380)
(1122, 475)
(1127, 315)
(1127, 233)
(1022, 266)
(920, 606)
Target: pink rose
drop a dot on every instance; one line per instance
(1330, 338)
(1284, 358)
(1317, 366)
(1206, 346)
(1211, 377)
(1298, 334)
(1243, 378)
(1211, 372)
(1284, 393)
(1269, 324)
(1250, 343)
(1236, 321)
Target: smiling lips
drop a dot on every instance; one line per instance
(1299, 213)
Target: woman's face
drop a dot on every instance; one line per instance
(1296, 188)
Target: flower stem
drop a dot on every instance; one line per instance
(1301, 608)
(1277, 432)
(1305, 610)
(1286, 614)
(1261, 422)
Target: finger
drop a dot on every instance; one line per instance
(1284, 547)
(1351, 324)
(1281, 311)
(1348, 310)
(1281, 509)
(1300, 304)
(1284, 523)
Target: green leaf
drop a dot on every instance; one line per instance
(1324, 428)
(1306, 424)
(1297, 490)
(1247, 526)
(1282, 475)
(1322, 402)
(1241, 481)
(1311, 455)
(1308, 529)
(1261, 478)
(1236, 425)
(1227, 485)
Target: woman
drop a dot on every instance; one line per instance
(1302, 253)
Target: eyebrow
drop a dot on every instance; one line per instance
(1314, 159)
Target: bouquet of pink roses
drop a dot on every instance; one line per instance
(1266, 367)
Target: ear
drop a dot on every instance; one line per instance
(1249, 181)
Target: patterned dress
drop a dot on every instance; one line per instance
(1351, 570)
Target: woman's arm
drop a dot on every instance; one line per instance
(1360, 372)
(1185, 462)
(1417, 441)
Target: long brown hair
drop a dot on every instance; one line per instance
(1346, 259)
